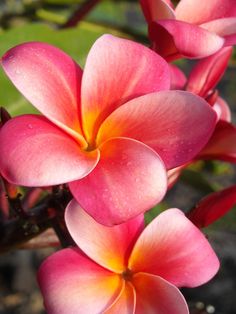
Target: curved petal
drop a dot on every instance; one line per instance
(117, 70)
(49, 79)
(208, 72)
(173, 248)
(173, 38)
(222, 143)
(213, 207)
(71, 282)
(125, 303)
(108, 246)
(198, 12)
(156, 295)
(129, 179)
(222, 109)
(34, 152)
(176, 124)
(156, 9)
(177, 77)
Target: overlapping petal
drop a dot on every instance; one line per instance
(125, 303)
(198, 12)
(175, 124)
(173, 248)
(173, 38)
(157, 9)
(222, 109)
(208, 72)
(213, 207)
(129, 179)
(34, 152)
(116, 71)
(72, 283)
(156, 295)
(177, 77)
(49, 79)
(222, 143)
(108, 247)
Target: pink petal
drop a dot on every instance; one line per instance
(176, 124)
(156, 295)
(174, 38)
(222, 109)
(225, 28)
(117, 70)
(34, 152)
(222, 143)
(129, 179)
(49, 79)
(173, 248)
(71, 282)
(157, 9)
(125, 303)
(213, 207)
(108, 246)
(177, 77)
(197, 12)
(208, 72)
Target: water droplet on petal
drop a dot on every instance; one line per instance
(30, 126)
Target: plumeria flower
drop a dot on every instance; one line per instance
(194, 29)
(126, 268)
(109, 131)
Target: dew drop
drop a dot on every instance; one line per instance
(30, 126)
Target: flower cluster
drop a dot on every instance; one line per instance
(118, 134)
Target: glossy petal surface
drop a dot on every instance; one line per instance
(156, 295)
(34, 152)
(166, 121)
(72, 283)
(108, 246)
(116, 71)
(49, 79)
(129, 179)
(173, 248)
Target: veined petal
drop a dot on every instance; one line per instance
(116, 71)
(125, 303)
(213, 207)
(198, 12)
(35, 152)
(173, 248)
(129, 179)
(222, 143)
(108, 246)
(181, 38)
(49, 79)
(176, 124)
(208, 72)
(72, 283)
(156, 295)
(156, 9)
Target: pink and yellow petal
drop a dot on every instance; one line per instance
(49, 79)
(35, 152)
(176, 124)
(129, 179)
(116, 71)
(72, 283)
(108, 246)
(156, 295)
(173, 248)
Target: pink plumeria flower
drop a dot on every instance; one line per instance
(126, 268)
(194, 29)
(110, 131)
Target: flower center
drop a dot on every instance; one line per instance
(127, 275)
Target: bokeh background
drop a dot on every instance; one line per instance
(56, 22)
